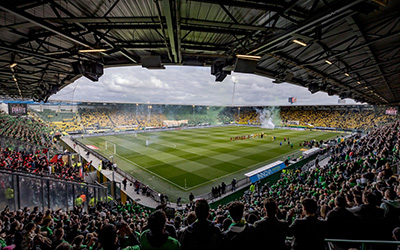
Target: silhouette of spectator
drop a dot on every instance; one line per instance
(308, 232)
(270, 228)
(202, 234)
(240, 234)
(155, 236)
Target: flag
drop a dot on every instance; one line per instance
(54, 159)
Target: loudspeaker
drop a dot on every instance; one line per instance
(245, 66)
(92, 71)
(217, 69)
(152, 62)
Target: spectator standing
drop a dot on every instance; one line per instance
(342, 224)
(239, 234)
(124, 182)
(270, 228)
(202, 234)
(233, 183)
(155, 237)
(223, 187)
(391, 208)
(191, 197)
(371, 216)
(308, 232)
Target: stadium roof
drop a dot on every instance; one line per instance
(348, 48)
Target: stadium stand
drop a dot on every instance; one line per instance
(60, 121)
(122, 117)
(341, 119)
(27, 145)
(353, 196)
(38, 163)
(25, 129)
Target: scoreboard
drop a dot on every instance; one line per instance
(292, 100)
(391, 111)
(17, 108)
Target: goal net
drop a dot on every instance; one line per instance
(111, 148)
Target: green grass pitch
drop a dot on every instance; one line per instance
(190, 158)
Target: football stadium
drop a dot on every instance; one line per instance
(112, 137)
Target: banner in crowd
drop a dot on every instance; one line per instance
(17, 108)
(292, 122)
(175, 123)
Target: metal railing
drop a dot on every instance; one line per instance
(357, 244)
(365, 244)
(23, 189)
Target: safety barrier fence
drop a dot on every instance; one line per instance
(359, 244)
(21, 189)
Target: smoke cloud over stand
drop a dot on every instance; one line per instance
(269, 117)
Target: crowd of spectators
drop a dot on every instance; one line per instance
(139, 116)
(247, 116)
(342, 119)
(119, 117)
(95, 117)
(38, 163)
(354, 196)
(26, 129)
(26, 146)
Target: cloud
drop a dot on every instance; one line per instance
(188, 85)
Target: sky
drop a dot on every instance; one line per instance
(188, 85)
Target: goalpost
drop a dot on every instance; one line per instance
(111, 147)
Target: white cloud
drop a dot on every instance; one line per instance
(187, 85)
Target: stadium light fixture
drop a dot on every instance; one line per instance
(13, 65)
(300, 42)
(358, 82)
(346, 74)
(56, 53)
(27, 58)
(328, 62)
(249, 57)
(91, 50)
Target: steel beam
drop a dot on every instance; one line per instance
(315, 72)
(121, 50)
(357, 30)
(275, 6)
(322, 16)
(33, 54)
(30, 18)
(71, 20)
(167, 11)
